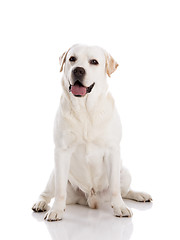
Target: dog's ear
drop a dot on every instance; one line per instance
(111, 64)
(62, 60)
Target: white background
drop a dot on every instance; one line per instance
(144, 38)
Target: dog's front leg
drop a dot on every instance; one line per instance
(117, 203)
(62, 161)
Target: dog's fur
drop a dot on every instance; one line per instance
(87, 134)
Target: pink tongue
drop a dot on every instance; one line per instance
(78, 90)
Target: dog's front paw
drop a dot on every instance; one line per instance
(40, 206)
(53, 215)
(122, 211)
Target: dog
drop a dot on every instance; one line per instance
(87, 135)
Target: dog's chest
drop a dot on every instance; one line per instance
(90, 128)
(89, 132)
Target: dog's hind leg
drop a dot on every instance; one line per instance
(138, 196)
(45, 197)
(127, 193)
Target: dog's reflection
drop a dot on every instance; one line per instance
(84, 223)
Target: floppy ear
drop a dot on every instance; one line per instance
(62, 60)
(111, 64)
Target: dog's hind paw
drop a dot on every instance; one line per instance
(139, 196)
(40, 206)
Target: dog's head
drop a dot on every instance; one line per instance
(85, 69)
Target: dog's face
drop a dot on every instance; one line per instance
(85, 69)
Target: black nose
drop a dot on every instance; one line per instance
(79, 73)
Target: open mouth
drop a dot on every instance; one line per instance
(79, 90)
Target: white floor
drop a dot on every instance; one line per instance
(154, 220)
(84, 223)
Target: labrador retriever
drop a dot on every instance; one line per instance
(87, 134)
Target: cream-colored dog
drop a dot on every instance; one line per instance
(87, 134)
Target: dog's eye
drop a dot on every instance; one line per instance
(72, 59)
(94, 62)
